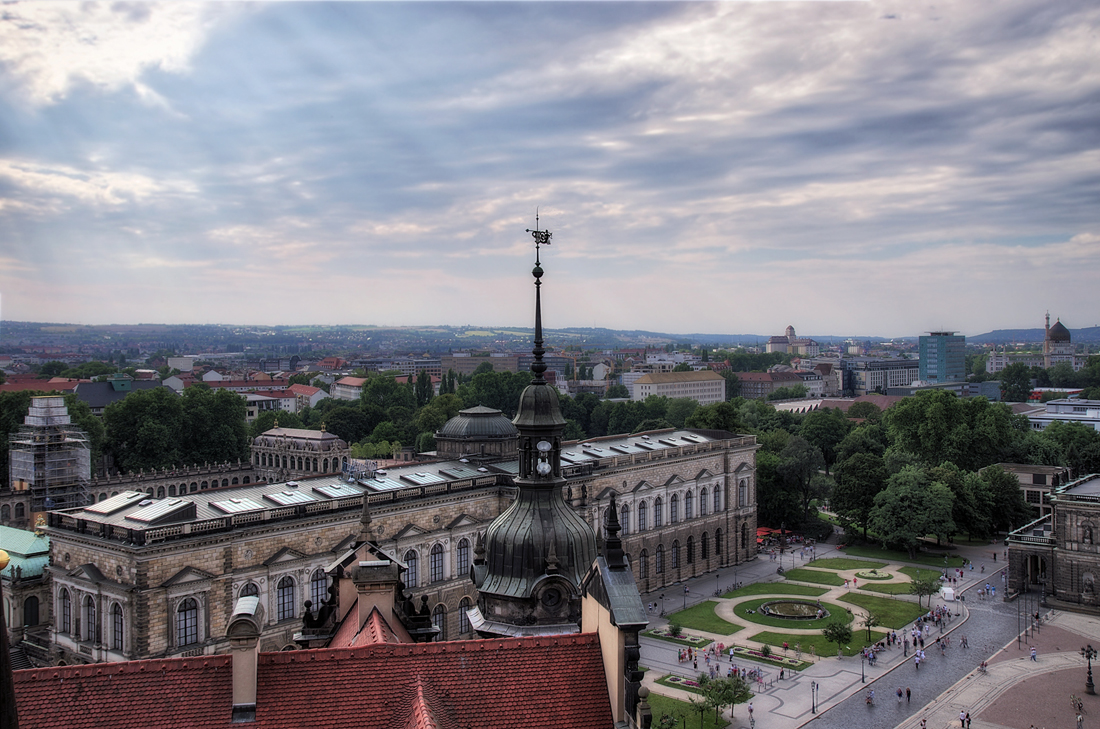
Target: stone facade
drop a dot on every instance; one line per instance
(150, 571)
(1057, 555)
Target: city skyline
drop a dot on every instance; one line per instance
(867, 167)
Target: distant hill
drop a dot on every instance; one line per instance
(1087, 335)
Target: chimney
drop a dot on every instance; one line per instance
(244, 641)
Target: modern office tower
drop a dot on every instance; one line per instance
(942, 357)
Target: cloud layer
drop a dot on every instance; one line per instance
(856, 168)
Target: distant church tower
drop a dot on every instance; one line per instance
(528, 570)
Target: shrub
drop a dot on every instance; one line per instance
(675, 629)
(766, 651)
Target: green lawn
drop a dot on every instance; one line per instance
(841, 563)
(757, 617)
(702, 617)
(678, 641)
(681, 710)
(914, 573)
(776, 588)
(891, 613)
(893, 555)
(820, 577)
(822, 646)
(890, 588)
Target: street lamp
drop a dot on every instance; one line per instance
(862, 670)
(1089, 653)
(813, 697)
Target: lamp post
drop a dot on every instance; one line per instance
(813, 697)
(1089, 653)
(862, 664)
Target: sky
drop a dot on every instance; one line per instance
(847, 168)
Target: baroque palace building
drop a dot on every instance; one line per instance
(139, 577)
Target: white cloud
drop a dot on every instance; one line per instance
(90, 187)
(51, 46)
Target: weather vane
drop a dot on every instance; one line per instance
(542, 237)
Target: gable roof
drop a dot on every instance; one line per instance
(664, 378)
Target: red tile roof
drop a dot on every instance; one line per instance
(300, 389)
(173, 692)
(519, 683)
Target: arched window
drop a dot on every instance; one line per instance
(66, 611)
(30, 611)
(20, 510)
(91, 626)
(703, 502)
(412, 577)
(187, 622)
(676, 554)
(314, 465)
(717, 500)
(435, 563)
(284, 461)
(194, 487)
(172, 490)
(5, 512)
(642, 516)
(658, 513)
(116, 627)
(691, 550)
(674, 509)
(203, 486)
(464, 619)
(236, 481)
(689, 500)
(439, 620)
(225, 482)
(703, 551)
(250, 590)
(103, 496)
(743, 493)
(326, 466)
(744, 536)
(643, 565)
(624, 519)
(284, 599)
(246, 480)
(318, 588)
(160, 492)
(659, 559)
(462, 554)
(718, 543)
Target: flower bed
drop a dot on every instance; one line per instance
(687, 684)
(757, 655)
(874, 575)
(694, 641)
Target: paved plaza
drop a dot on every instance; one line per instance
(1015, 692)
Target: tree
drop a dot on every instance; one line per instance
(733, 384)
(1009, 508)
(320, 384)
(865, 411)
(682, 367)
(792, 392)
(837, 631)
(617, 390)
(925, 584)
(53, 368)
(799, 463)
(386, 392)
(424, 390)
(719, 416)
(825, 429)
(718, 693)
(869, 621)
(145, 430)
(214, 427)
(858, 481)
(679, 410)
(301, 378)
(911, 507)
(1015, 383)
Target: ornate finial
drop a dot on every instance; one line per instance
(613, 545)
(39, 525)
(542, 238)
(323, 427)
(276, 423)
(365, 519)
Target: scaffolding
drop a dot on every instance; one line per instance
(50, 457)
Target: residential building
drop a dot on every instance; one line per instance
(306, 396)
(942, 357)
(705, 386)
(791, 344)
(98, 395)
(758, 385)
(465, 364)
(1086, 412)
(864, 375)
(348, 388)
(1037, 482)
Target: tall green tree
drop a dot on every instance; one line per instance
(424, 389)
(146, 430)
(800, 464)
(1015, 382)
(825, 429)
(837, 631)
(858, 481)
(719, 416)
(1009, 508)
(911, 507)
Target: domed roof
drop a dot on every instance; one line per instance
(1058, 333)
(478, 422)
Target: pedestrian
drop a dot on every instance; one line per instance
(968, 720)
(916, 661)
(1033, 654)
(962, 718)
(695, 664)
(750, 710)
(899, 694)
(780, 674)
(908, 695)
(923, 724)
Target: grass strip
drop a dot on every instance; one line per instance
(890, 588)
(821, 645)
(757, 617)
(820, 577)
(702, 617)
(893, 555)
(682, 713)
(891, 613)
(843, 563)
(776, 588)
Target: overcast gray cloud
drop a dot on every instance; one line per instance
(846, 167)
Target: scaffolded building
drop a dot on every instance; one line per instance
(50, 457)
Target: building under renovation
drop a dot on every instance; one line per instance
(50, 457)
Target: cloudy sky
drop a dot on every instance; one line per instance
(857, 168)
